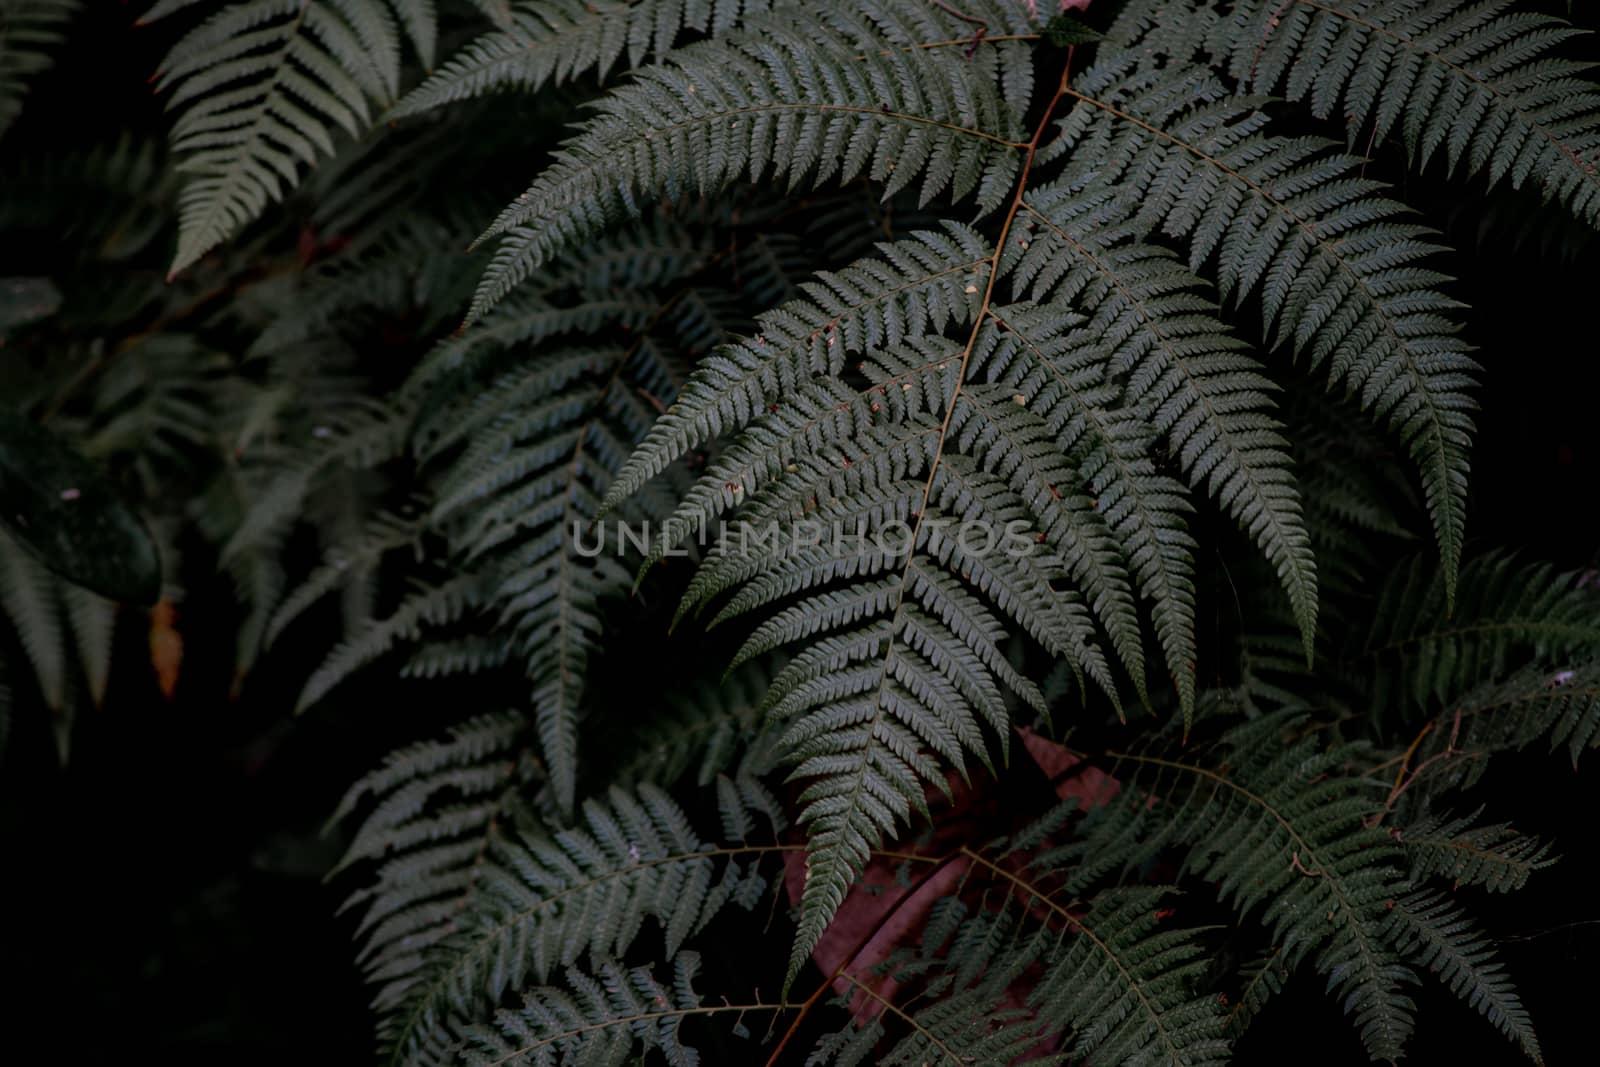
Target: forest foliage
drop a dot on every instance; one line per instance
(407, 302)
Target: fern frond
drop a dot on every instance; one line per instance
(1264, 977)
(1108, 982)
(1336, 267)
(1505, 614)
(519, 439)
(343, 562)
(867, 705)
(698, 735)
(961, 1027)
(92, 620)
(404, 268)
(1539, 701)
(1495, 856)
(555, 41)
(1478, 83)
(517, 501)
(438, 806)
(552, 900)
(29, 30)
(1124, 986)
(262, 88)
(1062, 375)
(828, 98)
(1270, 821)
(609, 1017)
(911, 287)
(1194, 382)
(163, 8)
(113, 199)
(1430, 927)
(424, 606)
(29, 601)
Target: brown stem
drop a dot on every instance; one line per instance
(850, 957)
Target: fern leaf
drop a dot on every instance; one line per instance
(1494, 856)
(1505, 613)
(1273, 832)
(1336, 268)
(866, 704)
(422, 607)
(1061, 375)
(343, 563)
(1561, 704)
(93, 621)
(963, 1027)
(600, 1019)
(1125, 988)
(1196, 384)
(517, 500)
(1118, 982)
(699, 734)
(807, 102)
(550, 901)
(555, 41)
(28, 600)
(911, 287)
(418, 19)
(261, 88)
(1474, 82)
(1264, 977)
(1432, 928)
(437, 808)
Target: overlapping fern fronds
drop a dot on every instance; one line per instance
(1275, 821)
(814, 267)
(794, 98)
(264, 89)
(555, 899)
(517, 470)
(999, 428)
(1279, 831)
(1483, 86)
(1509, 614)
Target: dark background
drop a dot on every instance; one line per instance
(163, 892)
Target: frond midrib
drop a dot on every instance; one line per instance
(257, 113)
(1354, 921)
(1174, 1051)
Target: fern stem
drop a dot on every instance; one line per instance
(850, 957)
(1352, 915)
(810, 933)
(1404, 780)
(1076, 925)
(440, 979)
